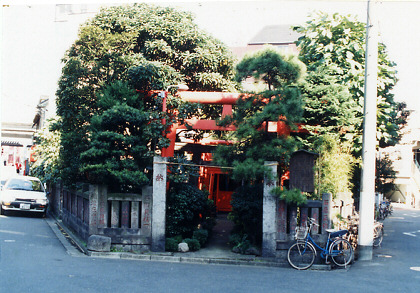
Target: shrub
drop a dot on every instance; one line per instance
(187, 207)
(171, 244)
(247, 212)
(193, 244)
(201, 235)
(292, 196)
(240, 244)
(178, 238)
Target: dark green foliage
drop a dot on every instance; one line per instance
(201, 235)
(385, 175)
(292, 196)
(153, 75)
(247, 212)
(187, 207)
(47, 152)
(193, 244)
(253, 143)
(124, 125)
(144, 47)
(171, 244)
(333, 49)
(268, 65)
(239, 243)
(182, 170)
(329, 109)
(336, 164)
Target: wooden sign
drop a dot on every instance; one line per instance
(302, 171)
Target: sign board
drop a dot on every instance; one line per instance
(302, 171)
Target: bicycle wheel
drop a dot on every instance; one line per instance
(301, 255)
(378, 235)
(341, 252)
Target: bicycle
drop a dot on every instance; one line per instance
(378, 233)
(383, 210)
(353, 228)
(301, 255)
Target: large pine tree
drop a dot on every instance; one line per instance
(110, 128)
(279, 101)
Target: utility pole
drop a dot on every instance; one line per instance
(1, 78)
(367, 192)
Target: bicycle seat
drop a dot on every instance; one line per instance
(334, 233)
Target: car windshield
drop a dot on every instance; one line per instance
(24, 184)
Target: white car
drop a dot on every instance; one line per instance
(23, 193)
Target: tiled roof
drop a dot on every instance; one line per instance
(10, 143)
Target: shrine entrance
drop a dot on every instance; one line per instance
(222, 188)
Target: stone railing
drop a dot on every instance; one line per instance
(280, 219)
(137, 222)
(290, 216)
(91, 210)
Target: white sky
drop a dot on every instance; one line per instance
(33, 42)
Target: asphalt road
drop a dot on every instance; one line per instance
(34, 260)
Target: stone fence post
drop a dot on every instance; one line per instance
(102, 206)
(269, 212)
(93, 209)
(326, 211)
(146, 211)
(159, 204)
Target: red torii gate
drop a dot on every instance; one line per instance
(215, 98)
(211, 176)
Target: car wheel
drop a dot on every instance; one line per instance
(1, 210)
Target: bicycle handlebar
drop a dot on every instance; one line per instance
(312, 221)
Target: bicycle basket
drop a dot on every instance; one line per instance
(301, 233)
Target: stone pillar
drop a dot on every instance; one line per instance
(103, 206)
(146, 211)
(282, 220)
(315, 215)
(135, 214)
(293, 219)
(304, 216)
(326, 211)
(125, 214)
(269, 213)
(159, 204)
(93, 209)
(115, 214)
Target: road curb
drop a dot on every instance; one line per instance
(181, 259)
(67, 239)
(75, 247)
